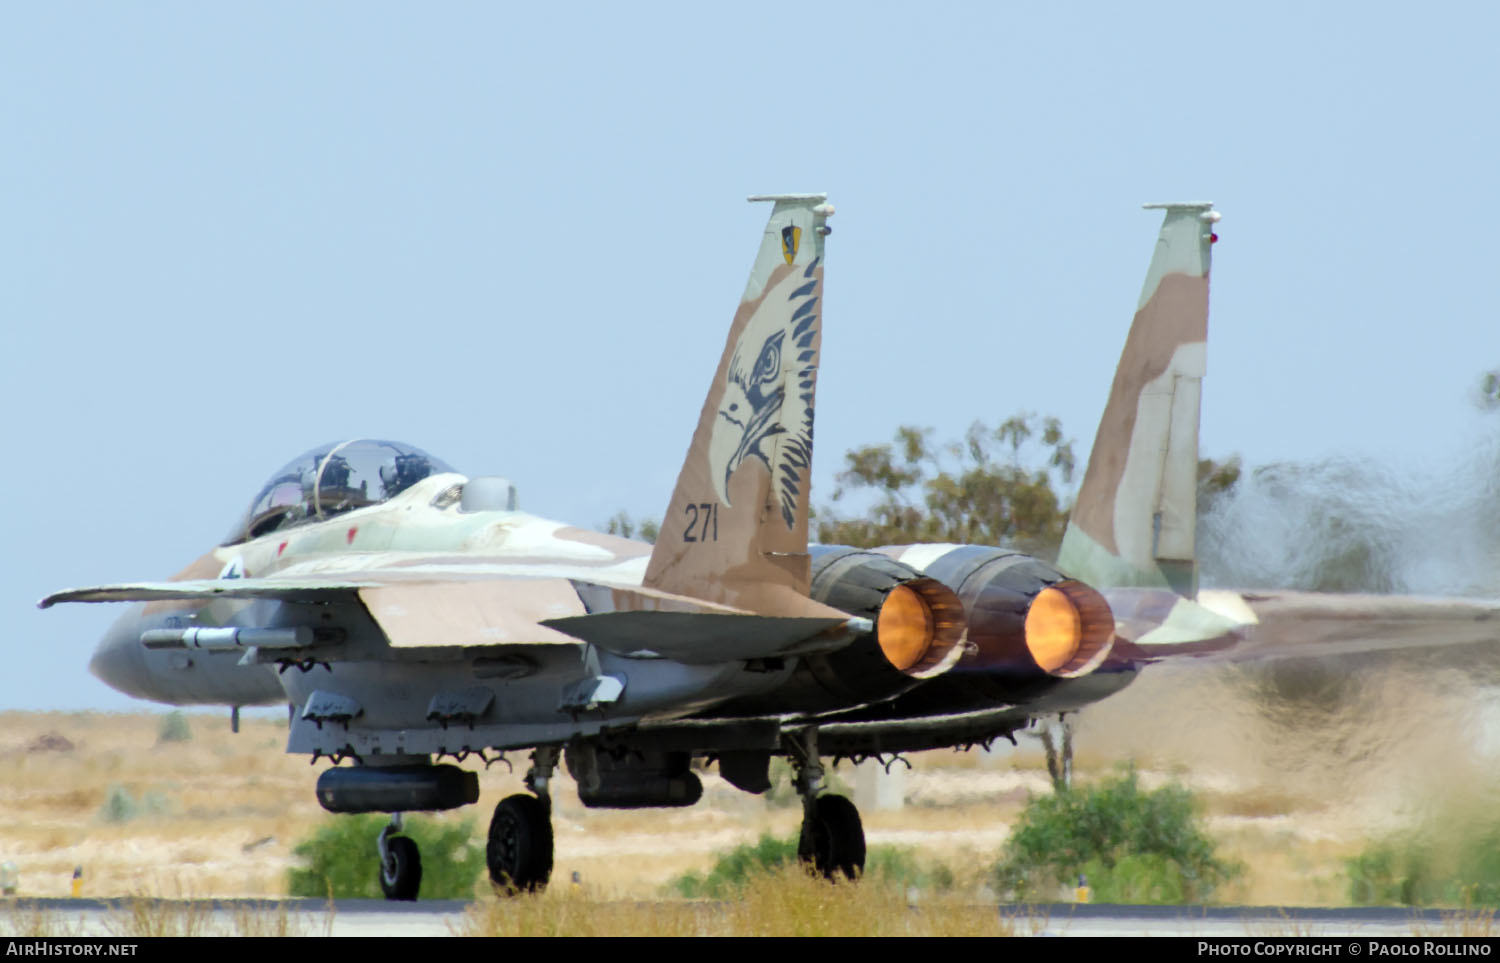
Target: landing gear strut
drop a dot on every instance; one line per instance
(400, 863)
(1059, 766)
(833, 838)
(519, 853)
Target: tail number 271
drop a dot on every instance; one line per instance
(703, 522)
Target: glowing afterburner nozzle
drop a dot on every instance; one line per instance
(919, 627)
(1069, 629)
(905, 628)
(1053, 629)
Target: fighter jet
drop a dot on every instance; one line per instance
(409, 614)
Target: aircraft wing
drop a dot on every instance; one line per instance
(410, 613)
(284, 590)
(1259, 624)
(415, 613)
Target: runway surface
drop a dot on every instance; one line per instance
(443, 917)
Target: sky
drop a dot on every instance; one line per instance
(514, 235)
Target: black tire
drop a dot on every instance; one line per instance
(833, 838)
(519, 853)
(401, 875)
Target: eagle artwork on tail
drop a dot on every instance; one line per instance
(772, 356)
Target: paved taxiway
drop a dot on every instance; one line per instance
(443, 917)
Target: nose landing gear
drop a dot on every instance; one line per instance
(400, 863)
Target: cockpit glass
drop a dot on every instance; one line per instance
(332, 479)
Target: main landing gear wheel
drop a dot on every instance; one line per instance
(833, 839)
(519, 853)
(401, 869)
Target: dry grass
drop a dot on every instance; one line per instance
(26, 920)
(785, 903)
(201, 806)
(142, 916)
(1474, 924)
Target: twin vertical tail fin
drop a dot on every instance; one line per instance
(735, 531)
(1134, 521)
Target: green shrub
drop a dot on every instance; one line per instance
(733, 869)
(340, 860)
(736, 868)
(1133, 846)
(1452, 861)
(174, 728)
(901, 866)
(155, 803)
(1389, 873)
(119, 806)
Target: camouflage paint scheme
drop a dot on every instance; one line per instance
(532, 632)
(1135, 504)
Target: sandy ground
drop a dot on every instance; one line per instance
(1295, 777)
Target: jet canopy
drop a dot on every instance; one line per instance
(332, 479)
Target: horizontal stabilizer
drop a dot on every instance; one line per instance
(1156, 624)
(699, 638)
(1312, 623)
